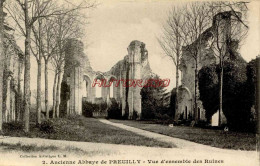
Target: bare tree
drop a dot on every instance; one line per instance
(41, 50)
(37, 52)
(172, 42)
(57, 63)
(35, 94)
(49, 50)
(25, 13)
(196, 22)
(56, 31)
(65, 27)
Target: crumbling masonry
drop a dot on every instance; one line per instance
(79, 76)
(12, 78)
(225, 21)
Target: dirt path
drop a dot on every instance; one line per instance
(193, 148)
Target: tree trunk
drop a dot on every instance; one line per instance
(39, 107)
(58, 96)
(196, 91)
(177, 89)
(220, 91)
(27, 90)
(2, 59)
(39, 77)
(54, 95)
(46, 90)
(19, 93)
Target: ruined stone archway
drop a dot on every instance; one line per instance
(134, 65)
(185, 103)
(87, 88)
(112, 89)
(100, 91)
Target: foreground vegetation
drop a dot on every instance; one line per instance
(26, 148)
(215, 138)
(78, 128)
(32, 148)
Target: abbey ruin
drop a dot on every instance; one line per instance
(79, 76)
(222, 22)
(12, 77)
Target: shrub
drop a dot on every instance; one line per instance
(13, 126)
(100, 108)
(47, 127)
(238, 93)
(155, 101)
(201, 124)
(163, 119)
(135, 115)
(87, 109)
(114, 110)
(103, 106)
(73, 117)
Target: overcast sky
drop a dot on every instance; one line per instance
(114, 24)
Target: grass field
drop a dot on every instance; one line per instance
(79, 128)
(215, 138)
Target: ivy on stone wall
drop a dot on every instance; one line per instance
(237, 93)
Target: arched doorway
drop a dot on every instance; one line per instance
(185, 103)
(112, 88)
(87, 90)
(98, 83)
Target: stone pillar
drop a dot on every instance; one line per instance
(68, 107)
(76, 91)
(12, 105)
(92, 93)
(8, 101)
(134, 96)
(84, 88)
(104, 92)
(74, 63)
(123, 92)
(80, 92)
(72, 93)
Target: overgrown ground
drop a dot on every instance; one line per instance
(79, 128)
(18, 147)
(215, 138)
(26, 148)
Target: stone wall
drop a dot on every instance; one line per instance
(221, 22)
(79, 76)
(13, 80)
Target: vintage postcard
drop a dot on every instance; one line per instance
(129, 82)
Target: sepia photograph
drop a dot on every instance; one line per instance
(129, 83)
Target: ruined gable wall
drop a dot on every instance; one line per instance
(79, 76)
(206, 57)
(135, 65)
